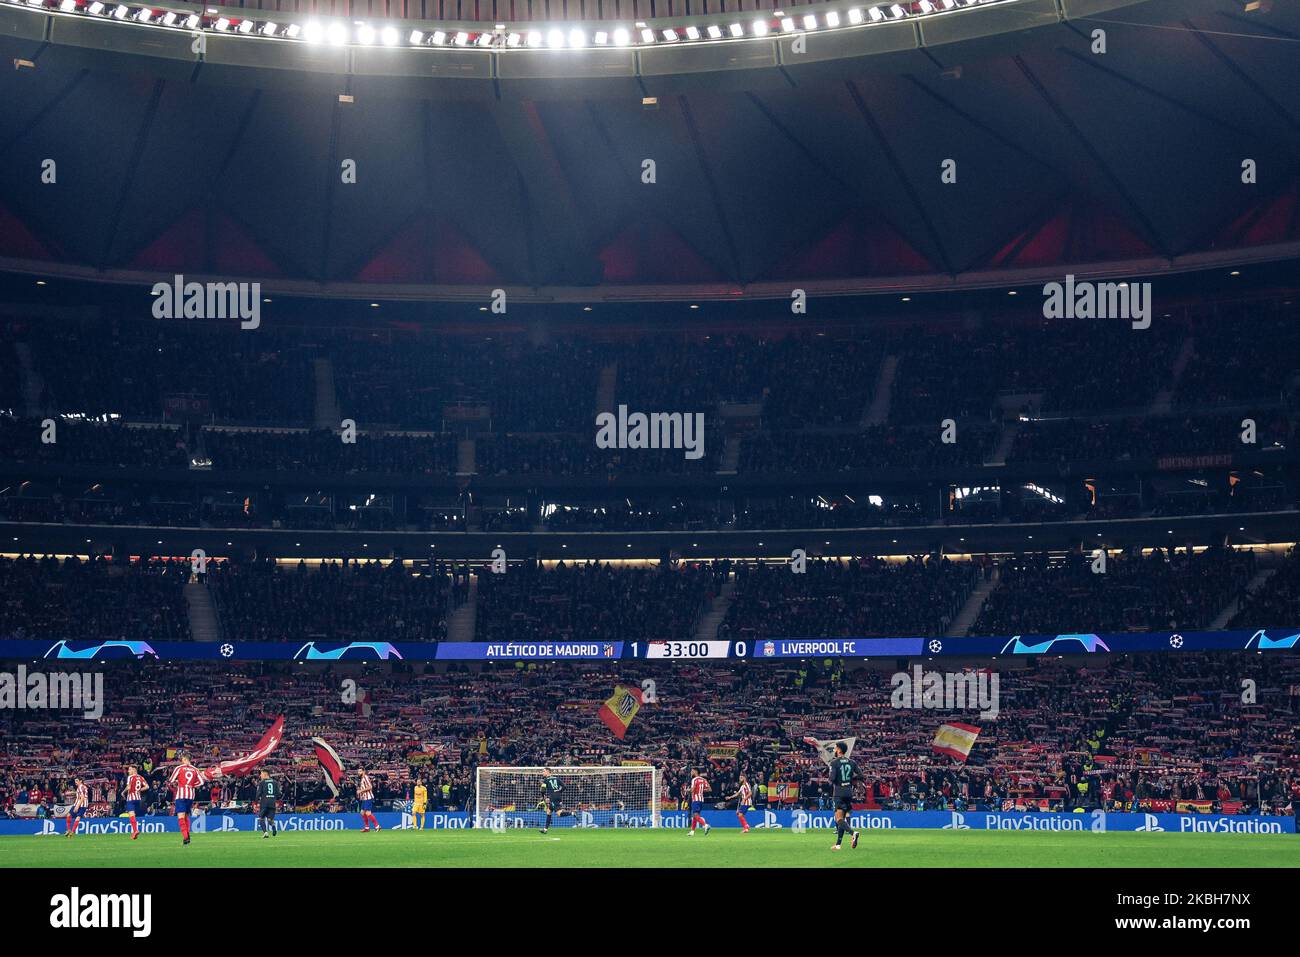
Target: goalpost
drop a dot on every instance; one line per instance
(510, 797)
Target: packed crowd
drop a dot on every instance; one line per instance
(1134, 732)
(1165, 589)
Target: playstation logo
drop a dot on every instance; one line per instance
(958, 822)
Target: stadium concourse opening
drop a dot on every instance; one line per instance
(624, 435)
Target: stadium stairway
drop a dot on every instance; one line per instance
(1005, 443)
(327, 402)
(204, 625)
(877, 412)
(1230, 611)
(707, 629)
(1163, 403)
(463, 621)
(974, 604)
(466, 457)
(31, 380)
(606, 388)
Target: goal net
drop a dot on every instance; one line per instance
(508, 797)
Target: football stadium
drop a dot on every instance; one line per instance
(649, 434)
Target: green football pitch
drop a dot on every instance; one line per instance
(661, 848)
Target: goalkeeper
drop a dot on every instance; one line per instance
(550, 802)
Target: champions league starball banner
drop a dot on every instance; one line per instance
(797, 821)
(763, 649)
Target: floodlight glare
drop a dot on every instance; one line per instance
(621, 37)
(336, 34)
(416, 38)
(669, 35)
(647, 36)
(832, 18)
(67, 6)
(600, 38)
(855, 15)
(715, 32)
(692, 33)
(484, 39)
(787, 24)
(269, 29)
(577, 38)
(365, 33)
(555, 39)
(896, 11)
(120, 12)
(875, 14)
(221, 25)
(389, 36)
(760, 28)
(460, 39)
(144, 15)
(926, 6)
(736, 30)
(96, 8)
(292, 31)
(534, 38)
(513, 40)
(810, 22)
(438, 38)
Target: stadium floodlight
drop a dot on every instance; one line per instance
(484, 39)
(669, 35)
(313, 32)
(926, 6)
(896, 11)
(810, 21)
(832, 18)
(760, 28)
(192, 21)
(736, 30)
(336, 34)
(715, 32)
(513, 40)
(555, 39)
(600, 38)
(120, 11)
(416, 38)
(143, 15)
(692, 33)
(534, 38)
(875, 14)
(460, 39)
(647, 35)
(246, 27)
(438, 38)
(577, 38)
(67, 6)
(269, 29)
(365, 33)
(292, 31)
(787, 24)
(221, 25)
(389, 36)
(855, 15)
(621, 37)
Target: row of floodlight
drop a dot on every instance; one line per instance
(361, 33)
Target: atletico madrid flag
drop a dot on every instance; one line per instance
(619, 710)
(331, 764)
(241, 766)
(956, 739)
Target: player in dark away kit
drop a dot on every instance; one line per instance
(843, 774)
(268, 792)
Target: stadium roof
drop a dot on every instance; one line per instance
(826, 175)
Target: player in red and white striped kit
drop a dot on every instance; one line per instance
(698, 787)
(136, 785)
(184, 782)
(366, 798)
(744, 798)
(79, 805)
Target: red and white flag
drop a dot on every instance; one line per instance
(331, 764)
(241, 766)
(956, 740)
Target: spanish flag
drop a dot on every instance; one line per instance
(620, 709)
(956, 739)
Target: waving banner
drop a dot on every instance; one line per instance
(241, 766)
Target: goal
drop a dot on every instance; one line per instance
(510, 797)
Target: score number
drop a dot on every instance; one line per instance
(676, 650)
